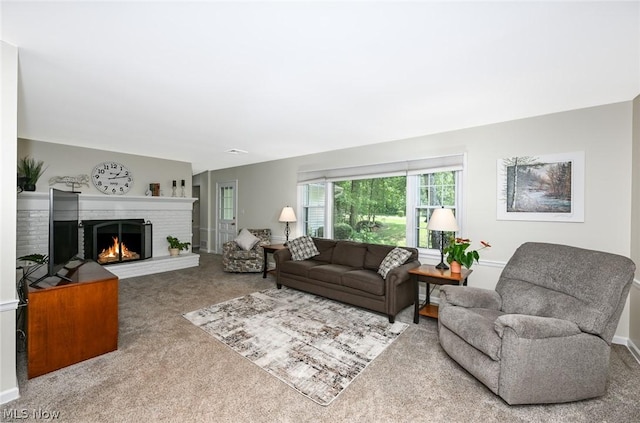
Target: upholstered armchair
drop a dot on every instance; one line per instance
(544, 335)
(244, 255)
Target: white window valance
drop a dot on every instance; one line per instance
(407, 167)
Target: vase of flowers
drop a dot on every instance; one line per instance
(457, 253)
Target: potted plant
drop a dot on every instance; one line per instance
(30, 170)
(175, 245)
(458, 255)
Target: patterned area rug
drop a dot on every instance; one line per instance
(315, 345)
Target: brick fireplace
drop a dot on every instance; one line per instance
(168, 215)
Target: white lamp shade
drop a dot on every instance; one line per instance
(442, 220)
(287, 215)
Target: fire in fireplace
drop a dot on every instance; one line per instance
(117, 241)
(116, 252)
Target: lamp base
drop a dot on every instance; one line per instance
(442, 266)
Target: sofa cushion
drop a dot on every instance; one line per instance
(300, 268)
(364, 280)
(302, 248)
(246, 240)
(375, 255)
(331, 273)
(474, 325)
(325, 247)
(395, 258)
(350, 254)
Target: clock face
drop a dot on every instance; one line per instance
(112, 178)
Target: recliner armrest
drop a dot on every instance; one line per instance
(535, 327)
(470, 297)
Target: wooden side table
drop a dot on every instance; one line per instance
(430, 275)
(269, 249)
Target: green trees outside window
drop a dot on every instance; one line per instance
(371, 210)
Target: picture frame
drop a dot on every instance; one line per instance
(541, 188)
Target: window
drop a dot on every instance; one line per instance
(313, 206)
(435, 190)
(227, 202)
(381, 210)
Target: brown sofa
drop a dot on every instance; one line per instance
(348, 271)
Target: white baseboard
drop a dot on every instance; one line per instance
(9, 395)
(635, 351)
(620, 340)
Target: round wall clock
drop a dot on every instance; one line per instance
(112, 178)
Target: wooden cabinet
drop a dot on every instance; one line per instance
(71, 321)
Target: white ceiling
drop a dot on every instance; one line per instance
(189, 81)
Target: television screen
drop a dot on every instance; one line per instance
(63, 229)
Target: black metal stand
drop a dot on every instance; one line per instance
(442, 265)
(286, 233)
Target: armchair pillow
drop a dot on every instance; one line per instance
(246, 240)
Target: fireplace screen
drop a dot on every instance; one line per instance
(117, 241)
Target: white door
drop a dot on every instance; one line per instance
(226, 216)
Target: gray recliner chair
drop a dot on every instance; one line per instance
(544, 335)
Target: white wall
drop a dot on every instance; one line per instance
(65, 160)
(603, 133)
(8, 302)
(634, 297)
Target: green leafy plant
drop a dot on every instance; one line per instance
(457, 251)
(31, 169)
(35, 258)
(176, 243)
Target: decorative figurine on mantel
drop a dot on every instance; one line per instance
(70, 181)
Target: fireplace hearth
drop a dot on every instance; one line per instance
(117, 241)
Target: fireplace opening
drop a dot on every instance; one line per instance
(117, 241)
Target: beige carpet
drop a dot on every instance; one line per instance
(165, 370)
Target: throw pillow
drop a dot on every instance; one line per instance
(395, 258)
(246, 240)
(302, 248)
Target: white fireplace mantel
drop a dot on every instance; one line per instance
(40, 201)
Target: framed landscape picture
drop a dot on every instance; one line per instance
(545, 188)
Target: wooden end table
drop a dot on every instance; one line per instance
(270, 249)
(430, 275)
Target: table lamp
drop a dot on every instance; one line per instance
(287, 216)
(442, 220)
